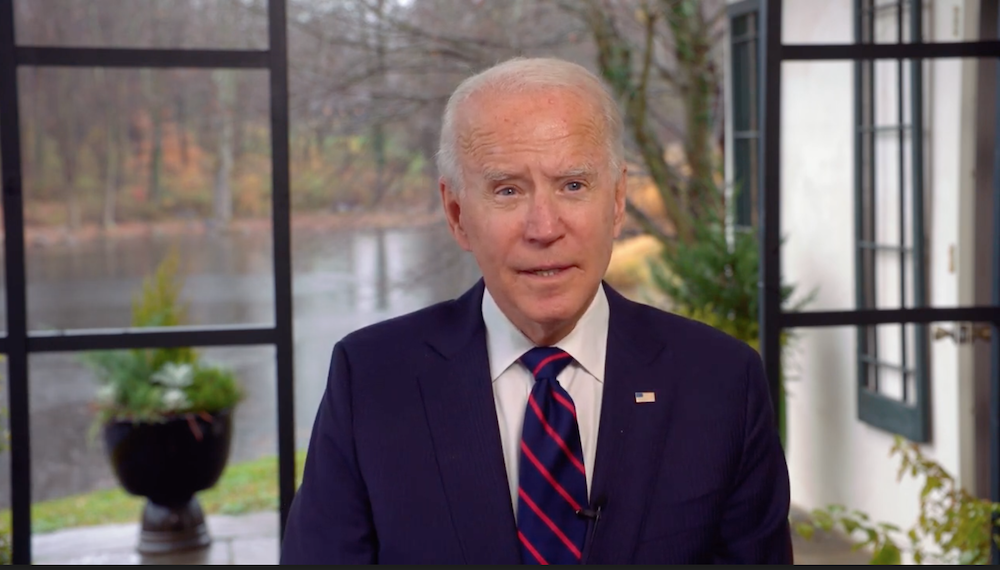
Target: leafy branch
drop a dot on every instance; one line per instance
(5, 545)
(953, 526)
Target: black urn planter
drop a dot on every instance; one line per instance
(168, 463)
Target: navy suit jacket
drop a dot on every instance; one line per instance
(405, 462)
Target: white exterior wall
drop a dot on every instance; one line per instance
(834, 457)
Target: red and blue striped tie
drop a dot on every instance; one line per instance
(552, 480)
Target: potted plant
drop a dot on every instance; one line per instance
(166, 420)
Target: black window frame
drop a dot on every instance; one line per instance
(18, 343)
(773, 319)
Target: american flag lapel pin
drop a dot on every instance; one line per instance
(644, 397)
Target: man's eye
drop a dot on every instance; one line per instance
(574, 186)
(506, 191)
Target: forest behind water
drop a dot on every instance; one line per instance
(368, 80)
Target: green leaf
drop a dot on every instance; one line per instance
(932, 484)
(889, 527)
(849, 525)
(805, 530)
(872, 535)
(968, 557)
(888, 554)
(823, 520)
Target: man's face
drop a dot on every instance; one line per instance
(540, 207)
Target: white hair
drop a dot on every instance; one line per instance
(519, 75)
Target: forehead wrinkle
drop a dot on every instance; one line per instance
(479, 128)
(473, 136)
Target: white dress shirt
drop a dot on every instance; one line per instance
(583, 379)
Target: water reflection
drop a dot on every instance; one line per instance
(342, 281)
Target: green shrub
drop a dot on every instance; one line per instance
(151, 385)
(5, 550)
(714, 280)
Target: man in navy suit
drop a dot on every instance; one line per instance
(540, 418)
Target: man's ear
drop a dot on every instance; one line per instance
(451, 201)
(621, 188)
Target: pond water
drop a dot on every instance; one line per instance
(342, 281)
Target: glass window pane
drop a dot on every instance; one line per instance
(350, 279)
(132, 167)
(745, 179)
(817, 183)
(368, 87)
(817, 22)
(81, 510)
(912, 361)
(212, 24)
(890, 380)
(832, 21)
(739, 26)
(742, 95)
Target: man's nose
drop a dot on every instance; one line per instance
(543, 224)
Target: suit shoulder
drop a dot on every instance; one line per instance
(401, 330)
(678, 331)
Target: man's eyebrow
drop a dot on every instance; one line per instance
(494, 175)
(584, 171)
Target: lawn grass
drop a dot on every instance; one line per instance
(243, 488)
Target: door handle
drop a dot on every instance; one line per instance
(964, 333)
(982, 332)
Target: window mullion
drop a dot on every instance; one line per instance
(900, 92)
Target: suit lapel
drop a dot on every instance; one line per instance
(630, 435)
(458, 400)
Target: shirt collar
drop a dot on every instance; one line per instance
(586, 343)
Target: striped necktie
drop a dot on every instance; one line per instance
(552, 483)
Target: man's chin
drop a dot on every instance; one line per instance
(550, 316)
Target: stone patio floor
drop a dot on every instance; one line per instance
(253, 539)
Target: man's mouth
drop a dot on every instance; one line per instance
(546, 271)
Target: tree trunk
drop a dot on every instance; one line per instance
(222, 195)
(108, 155)
(428, 148)
(378, 127)
(155, 158)
(693, 54)
(156, 144)
(68, 130)
(615, 60)
(116, 162)
(319, 144)
(378, 149)
(37, 129)
(239, 119)
(69, 191)
(182, 138)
